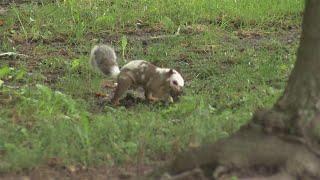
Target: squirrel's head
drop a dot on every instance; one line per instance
(176, 82)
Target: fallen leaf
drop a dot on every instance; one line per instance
(3, 11)
(100, 95)
(72, 169)
(1, 22)
(25, 178)
(54, 161)
(109, 84)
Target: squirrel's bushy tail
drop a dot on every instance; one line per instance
(104, 59)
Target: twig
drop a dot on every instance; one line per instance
(12, 54)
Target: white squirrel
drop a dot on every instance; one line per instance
(159, 84)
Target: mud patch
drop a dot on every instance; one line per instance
(77, 172)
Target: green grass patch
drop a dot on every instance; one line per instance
(77, 19)
(235, 55)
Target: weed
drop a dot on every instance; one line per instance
(124, 43)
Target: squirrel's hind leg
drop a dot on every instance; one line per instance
(124, 83)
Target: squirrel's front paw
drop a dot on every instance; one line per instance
(152, 99)
(170, 99)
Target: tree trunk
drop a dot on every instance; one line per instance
(300, 101)
(283, 141)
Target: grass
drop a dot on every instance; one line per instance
(235, 55)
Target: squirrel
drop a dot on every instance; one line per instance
(159, 84)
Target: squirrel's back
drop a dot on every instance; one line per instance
(104, 58)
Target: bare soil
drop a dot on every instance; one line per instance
(79, 173)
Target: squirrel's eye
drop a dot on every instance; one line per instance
(175, 83)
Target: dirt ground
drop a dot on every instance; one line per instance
(79, 173)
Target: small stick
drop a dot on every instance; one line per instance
(12, 54)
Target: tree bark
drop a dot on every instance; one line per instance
(300, 100)
(303, 89)
(284, 141)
